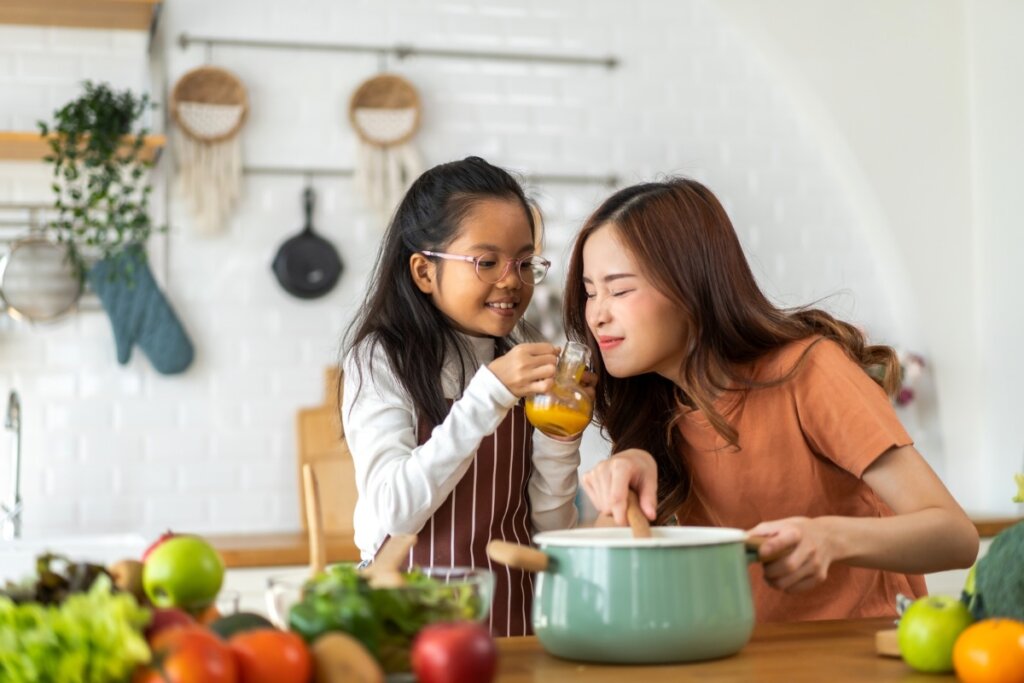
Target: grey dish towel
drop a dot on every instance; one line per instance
(139, 313)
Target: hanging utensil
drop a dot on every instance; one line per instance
(37, 280)
(307, 265)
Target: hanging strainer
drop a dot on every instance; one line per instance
(37, 281)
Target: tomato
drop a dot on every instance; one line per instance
(990, 651)
(271, 656)
(189, 654)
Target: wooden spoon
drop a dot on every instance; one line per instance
(634, 515)
(637, 520)
(385, 571)
(314, 521)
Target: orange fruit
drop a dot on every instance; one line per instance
(990, 651)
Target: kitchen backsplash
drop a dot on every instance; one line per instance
(112, 448)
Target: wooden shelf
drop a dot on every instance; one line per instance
(25, 146)
(120, 14)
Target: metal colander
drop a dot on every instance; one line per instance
(37, 281)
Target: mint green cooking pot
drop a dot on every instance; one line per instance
(602, 595)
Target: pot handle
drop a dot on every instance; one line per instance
(753, 545)
(517, 556)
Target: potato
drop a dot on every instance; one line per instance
(340, 658)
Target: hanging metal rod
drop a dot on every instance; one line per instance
(609, 180)
(399, 50)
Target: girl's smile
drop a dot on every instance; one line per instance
(608, 343)
(504, 307)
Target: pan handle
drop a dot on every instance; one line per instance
(517, 556)
(753, 545)
(308, 197)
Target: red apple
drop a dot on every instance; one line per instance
(454, 652)
(153, 546)
(165, 618)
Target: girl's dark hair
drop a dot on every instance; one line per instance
(415, 335)
(685, 244)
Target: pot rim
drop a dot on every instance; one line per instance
(622, 537)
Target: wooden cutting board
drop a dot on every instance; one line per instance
(321, 444)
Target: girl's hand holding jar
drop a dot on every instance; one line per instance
(565, 410)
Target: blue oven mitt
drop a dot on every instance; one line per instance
(139, 313)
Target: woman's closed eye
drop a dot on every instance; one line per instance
(621, 292)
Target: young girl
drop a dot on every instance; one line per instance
(434, 377)
(728, 411)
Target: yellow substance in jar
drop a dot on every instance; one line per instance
(556, 419)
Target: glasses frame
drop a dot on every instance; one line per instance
(475, 260)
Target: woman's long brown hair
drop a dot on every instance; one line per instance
(685, 244)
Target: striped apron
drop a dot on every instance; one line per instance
(489, 502)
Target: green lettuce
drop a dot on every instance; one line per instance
(92, 637)
(385, 620)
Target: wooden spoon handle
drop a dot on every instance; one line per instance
(637, 521)
(314, 520)
(517, 556)
(385, 571)
(754, 543)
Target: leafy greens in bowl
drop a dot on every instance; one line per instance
(385, 620)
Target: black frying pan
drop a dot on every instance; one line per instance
(307, 265)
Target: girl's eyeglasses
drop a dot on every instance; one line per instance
(530, 269)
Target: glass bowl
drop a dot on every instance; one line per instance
(385, 620)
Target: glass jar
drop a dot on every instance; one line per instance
(566, 409)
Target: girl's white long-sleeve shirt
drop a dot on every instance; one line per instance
(401, 483)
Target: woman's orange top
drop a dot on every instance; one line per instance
(804, 445)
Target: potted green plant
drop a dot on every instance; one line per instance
(101, 182)
(102, 191)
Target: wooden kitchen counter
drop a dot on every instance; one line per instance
(278, 549)
(832, 651)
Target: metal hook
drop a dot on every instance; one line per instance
(382, 61)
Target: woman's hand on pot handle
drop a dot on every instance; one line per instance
(609, 483)
(803, 548)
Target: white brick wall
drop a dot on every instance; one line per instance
(111, 448)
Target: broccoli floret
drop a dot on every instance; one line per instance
(999, 577)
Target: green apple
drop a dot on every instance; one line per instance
(184, 572)
(928, 630)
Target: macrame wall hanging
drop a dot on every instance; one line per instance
(385, 112)
(209, 105)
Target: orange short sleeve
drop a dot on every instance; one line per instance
(845, 416)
